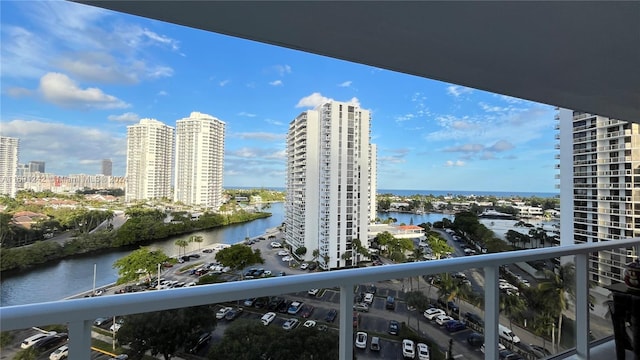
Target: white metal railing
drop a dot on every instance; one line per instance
(80, 313)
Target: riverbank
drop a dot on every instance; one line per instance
(50, 251)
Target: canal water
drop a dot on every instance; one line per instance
(73, 276)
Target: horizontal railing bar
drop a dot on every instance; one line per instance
(63, 311)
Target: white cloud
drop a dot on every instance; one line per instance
(58, 145)
(355, 101)
(244, 113)
(224, 82)
(312, 100)
(19, 92)
(163, 93)
(456, 90)
(276, 83)
(489, 108)
(59, 89)
(282, 69)
(345, 84)
(501, 145)
(129, 117)
(274, 122)
(466, 148)
(456, 163)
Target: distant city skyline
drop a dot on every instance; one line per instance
(74, 77)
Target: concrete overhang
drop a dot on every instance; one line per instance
(579, 55)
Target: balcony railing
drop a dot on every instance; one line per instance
(80, 313)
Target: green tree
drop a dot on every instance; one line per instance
(140, 262)
(558, 290)
(26, 354)
(438, 245)
(238, 256)
(512, 306)
(182, 244)
(301, 251)
(165, 332)
(197, 239)
(316, 255)
(418, 301)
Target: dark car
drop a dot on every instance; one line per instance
(391, 303)
(284, 307)
(394, 327)
(372, 289)
(455, 325)
(475, 339)
(50, 342)
(331, 315)
(208, 251)
(312, 266)
(274, 303)
(195, 256)
(234, 313)
(474, 319)
(306, 311)
(202, 341)
(261, 302)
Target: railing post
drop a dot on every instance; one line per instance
(346, 322)
(491, 312)
(582, 306)
(80, 339)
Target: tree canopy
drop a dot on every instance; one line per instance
(142, 261)
(239, 256)
(165, 332)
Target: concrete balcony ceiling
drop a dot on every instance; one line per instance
(573, 54)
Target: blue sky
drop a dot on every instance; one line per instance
(73, 77)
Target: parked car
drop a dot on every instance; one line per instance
(474, 319)
(233, 314)
(312, 266)
(102, 321)
(295, 307)
(268, 318)
(408, 349)
(313, 292)
(50, 341)
(368, 298)
(454, 325)
(222, 312)
(423, 351)
(275, 244)
(304, 266)
(331, 315)
(306, 311)
(361, 307)
(500, 347)
(290, 324)
(202, 341)
(208, 251)
(309, 324)
(28, 342)
(442, 319)
(60, 353)
(249, 302)
(283, 253)
(361, 340)
(394, 327)
(391, 303)
(375, 344)
(432, 313)
(475, 339)
(287, 258)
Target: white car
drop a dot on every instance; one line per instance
(60, 353)
(408, 349)
(309, 324)
(268, 318)
(304, 266)
(28, 342)
(287, 258)
(275, 244)
(368, 298)
(313, 292)
(283, 253)
(361, 340)
(223, 312)
(431, 313)
(500, 347)
(290, 324)
(115, 327)
(442, 319)
(423, 351)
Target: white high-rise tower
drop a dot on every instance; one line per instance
(199, 160)
(330, 183)
(149, 160)
(600, 187)
(8, 165)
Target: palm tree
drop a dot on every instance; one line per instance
(512, 306)
(418, 301)
(316, 255)
(196, 238)
(181, 243)
(542, 324)
(558, 290)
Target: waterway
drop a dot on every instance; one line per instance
(73, 276)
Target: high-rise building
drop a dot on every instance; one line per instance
(149, 160)
(107, 167)
(330, 183)
(600, 194)
(36, 167)
(9, 148)
(199, 160)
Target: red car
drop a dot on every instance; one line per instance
(306, 311)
